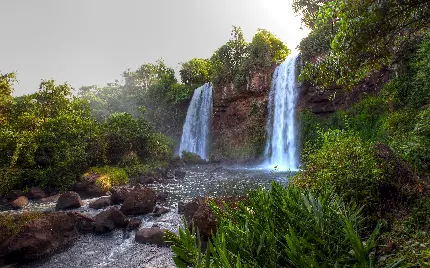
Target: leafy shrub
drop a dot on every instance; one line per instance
(421, 213)
(234, 61)
(191, 158)
(347, 164)
(109, 176)
(159, 147)
(284, 227)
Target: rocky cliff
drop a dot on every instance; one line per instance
(327, 101)
(239, 118)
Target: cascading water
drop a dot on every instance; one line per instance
(281, 129)
(195, 133)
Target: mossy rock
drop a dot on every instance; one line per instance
(192, 158)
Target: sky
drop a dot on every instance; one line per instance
(91, 42)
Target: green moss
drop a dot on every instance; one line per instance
(11, 224)
(108, 176)
(191, 158)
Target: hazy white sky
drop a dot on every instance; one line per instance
(86, 42)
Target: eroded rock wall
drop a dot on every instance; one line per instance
(239, 118)
(327, 101)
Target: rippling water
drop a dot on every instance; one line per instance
(118, 248)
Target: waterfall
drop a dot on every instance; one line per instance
(281, 127)
(195, 133)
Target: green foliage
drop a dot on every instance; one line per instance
(191, 158)
(109, 176)
(284, 227)
(46, 140)
(6, 88)
(347, 164)
(196, 72)
(234, 61)
(228, 59)
(365, 36)
(421, 213)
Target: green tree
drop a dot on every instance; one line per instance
(365, 36)
(195, 72)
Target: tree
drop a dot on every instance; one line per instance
(365, 36)
(195, 72)
(6, 99)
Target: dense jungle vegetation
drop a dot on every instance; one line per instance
(362, 198)
(50, 138)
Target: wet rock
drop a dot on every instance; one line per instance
(159, 210)
(153, 235)
(83, 223)
(190, 208)
(87, 186)
(109, 219)
(49, 199)
(19, 203)
(181, 207)
(205, 221)
(69, 200)
(145, 179)
(118, 194)
(140, 201)
(162, 197)
(134, 223)
(35, 193)
(102, 202)
(180, 174)
(14, 194)
(40, 237)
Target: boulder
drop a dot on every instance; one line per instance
(35, 193)
(69, 200)
(40, 237)
(153, 235)
(134, 223)
(109, 219)
(190, 208)
(83, 223)
(145, 179)
(205, 221)
(49, 199)
(159, 210)
(180, 174)
(118, 194)
(14, 194)
(162, 197)
(102, 202)
(19, 203)
(140, 201)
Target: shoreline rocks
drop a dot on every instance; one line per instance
(69, 200)
(153, 235)
(19, 203)
(109, 219)
(139, 201)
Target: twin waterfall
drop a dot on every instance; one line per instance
(280, 152)
(195, 134)
(281, 126)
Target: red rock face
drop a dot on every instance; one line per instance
(239, 118)
(328, 101)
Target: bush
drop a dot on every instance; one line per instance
(191, 158)
(109, 176)
(284, 227)
(347, 164)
